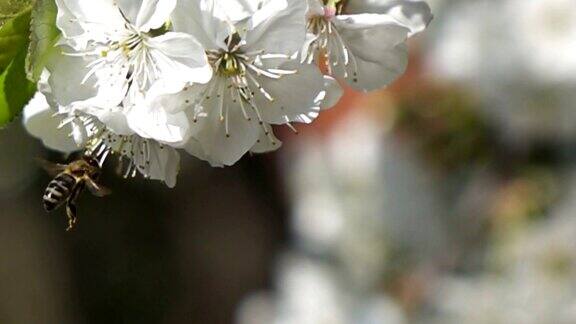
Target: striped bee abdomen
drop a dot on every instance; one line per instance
(58, 191)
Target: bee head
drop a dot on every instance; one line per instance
(92, 167)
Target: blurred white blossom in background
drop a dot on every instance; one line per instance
(340, 252)
(518, 56)
(530, 279)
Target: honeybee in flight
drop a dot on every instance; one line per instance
(69, 182)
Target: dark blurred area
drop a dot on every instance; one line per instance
(145, 254)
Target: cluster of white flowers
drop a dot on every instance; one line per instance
(145, 78)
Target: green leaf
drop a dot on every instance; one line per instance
(15, 89)
(14, 35)
(10, 8)
(43, 36)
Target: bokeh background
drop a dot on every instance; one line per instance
(448, 198)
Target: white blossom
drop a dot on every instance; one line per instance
(413, 14)
(144, 78)
(67, 129)
(545, 32)
(366, 48)
(117, 58)
(256, 83)
(39, 122)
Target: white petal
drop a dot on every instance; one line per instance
(154, 13)
(413, 14)
(152, 159)
(181, 58)
(65, 81)
(224, 140)
(44, 87)
(40, 122)
(377, 49)
(81, 21)
(164, 162)
(194, 148)
(266, 143)
(278, 27)
(111, 83)
(174, 97)
(316, 8)
(235, 11)
(80, 134)
(155, 123)
(295, 96)
(107, 87)
(198, 19)
(129, 8)
(114, 119)
(306, 48)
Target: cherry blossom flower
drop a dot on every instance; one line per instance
(68, 129)
(256, 83)
(117, 50)
(144, 78)
(365, 48)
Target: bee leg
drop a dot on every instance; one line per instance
(71, 213)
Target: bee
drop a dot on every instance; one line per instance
(69, 182)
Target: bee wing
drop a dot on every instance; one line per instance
(97, 190)
(53, 169)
